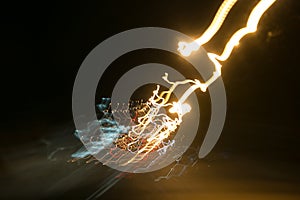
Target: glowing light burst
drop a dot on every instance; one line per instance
(187, 48)
(151, 127)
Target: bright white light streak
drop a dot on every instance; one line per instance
(187, 48)
(251, 27)
(153, 138)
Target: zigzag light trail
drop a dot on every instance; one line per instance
(187, 48)
(152, 128)
(165, 124)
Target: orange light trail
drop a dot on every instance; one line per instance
(154, 127)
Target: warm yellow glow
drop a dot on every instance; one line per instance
(251, 27)
(154, 127)
(187, 48)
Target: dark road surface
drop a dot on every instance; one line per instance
(41, 170)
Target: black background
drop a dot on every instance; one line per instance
(44, 43)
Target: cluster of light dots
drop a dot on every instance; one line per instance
(153, 127)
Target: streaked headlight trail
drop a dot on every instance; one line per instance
(152, 127)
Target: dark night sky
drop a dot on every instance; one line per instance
(44, 43)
